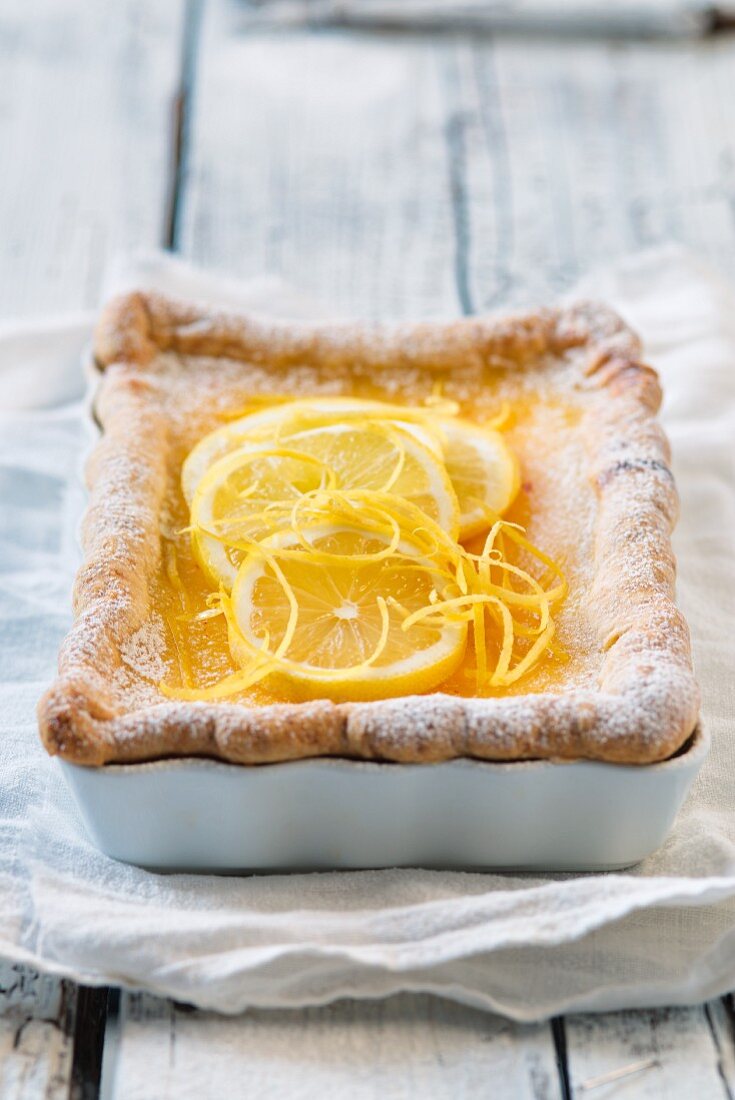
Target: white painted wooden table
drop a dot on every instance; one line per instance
(389, 176)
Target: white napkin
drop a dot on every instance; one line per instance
(526, 946)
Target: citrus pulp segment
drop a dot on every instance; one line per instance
(289, 417)
(483, 470)
(250, 491)
(331, 618)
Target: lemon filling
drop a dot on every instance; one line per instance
(355, 549)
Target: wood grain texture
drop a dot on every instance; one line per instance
(641, 19)
(410, 176)
(86, 101)
(323, 159)
(579, 153)
(405, 1047)
(86, 117)
(416, 1045)
(36, 1023)
(674, 1050)
(720, 1018)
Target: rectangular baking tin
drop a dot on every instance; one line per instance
(204, 815)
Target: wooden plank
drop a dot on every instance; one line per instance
(86, 102)
(674, 18)
(323, 159)
(36, 1023)
(577, 153)
(668, 1052)
(404, 1047)
(398, 176)
(720, 1017)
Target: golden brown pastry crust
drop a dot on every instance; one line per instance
(647, 703)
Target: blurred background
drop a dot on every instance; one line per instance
(390, 157)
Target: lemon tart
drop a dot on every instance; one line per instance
(406, 544)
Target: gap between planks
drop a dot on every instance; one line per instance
(408, 1045)
(89, 1042)
(36, 1028)
(182, 108)
(417, 1045)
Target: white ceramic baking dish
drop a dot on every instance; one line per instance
(203, 815)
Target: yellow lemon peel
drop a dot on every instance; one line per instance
(506, 609)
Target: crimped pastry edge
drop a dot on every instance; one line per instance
(648, 702)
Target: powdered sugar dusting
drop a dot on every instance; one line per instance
(143, 652)
(596, 494)
(557, 504)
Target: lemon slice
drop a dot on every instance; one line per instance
(232, 501)
(246, 493)
(329, 616)
(290, 417)
(483, 470)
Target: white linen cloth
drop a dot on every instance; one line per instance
(527, 946)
